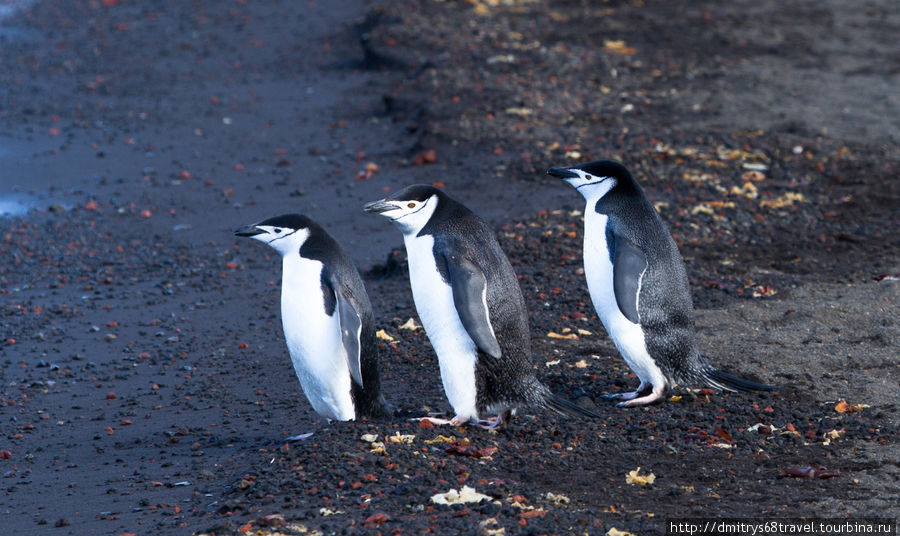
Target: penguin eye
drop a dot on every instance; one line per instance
(277, 231)
(588, 177)
(411, 205)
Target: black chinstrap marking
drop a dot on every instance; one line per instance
(282, 236)
(592, 183)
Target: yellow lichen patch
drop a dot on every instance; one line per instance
(785, 200)
(702, 208)
(557, 498)
(696, 177)
(410, 325)
(401, 438)
(554, 335)
(383, 335)
(440, 439)
(748, 190)
(634, 477)
(619, 47)
(522, 112)
(844, 407)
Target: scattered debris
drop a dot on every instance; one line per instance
(375, 520)
(428, 156)
(619, 47)
(810, 472)
(401, 438)
(764, 429)
(557, 498)
(465, 495)
(844, 407)
(463, 447)
(383, 335)
(440, 439)
(554, 335)
(785, 200)
(634, 477)
(484, 530)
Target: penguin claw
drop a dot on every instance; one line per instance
(458, 421)
(433, 420)
(656, 395)
(491, 424)
(455, 421)
(643, 389)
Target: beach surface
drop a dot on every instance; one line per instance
(145, 385)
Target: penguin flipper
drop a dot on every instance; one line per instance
(351, 328)
(629, 265)
(470, 298)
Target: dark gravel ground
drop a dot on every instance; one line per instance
(145, 383)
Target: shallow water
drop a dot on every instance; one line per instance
(15, 204)
(9, 8)
(24, 183)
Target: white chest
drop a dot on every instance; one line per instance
(456, 352)
(314, 339)
(598, 269)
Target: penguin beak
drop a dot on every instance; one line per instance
(378, 207)
(248, 230)
(562, 173)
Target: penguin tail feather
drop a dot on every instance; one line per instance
(568, 408)
(730, 382)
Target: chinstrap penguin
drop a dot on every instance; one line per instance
(639, 286)
(468, 299)
(328, 323)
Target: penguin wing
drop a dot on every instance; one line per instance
(351, 329)
(628, 268)
(470, 298)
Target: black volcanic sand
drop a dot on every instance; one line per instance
(146, 387)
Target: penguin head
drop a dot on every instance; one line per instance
(410, 208)
(593, 179)
(285, 233)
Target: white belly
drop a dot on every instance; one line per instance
(598, 270)
(456, 351)
(314, 340)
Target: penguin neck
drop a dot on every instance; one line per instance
(599, 205)
(619, 201)
(447, 210)
(299, 278)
